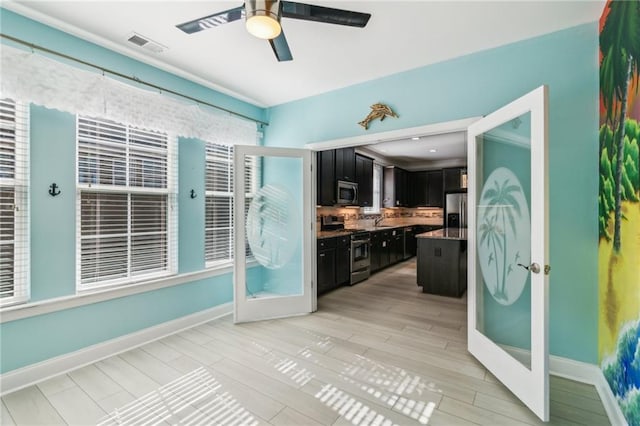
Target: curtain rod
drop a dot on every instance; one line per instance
(127, 77)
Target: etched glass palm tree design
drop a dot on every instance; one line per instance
(502, 207)
(503, 235)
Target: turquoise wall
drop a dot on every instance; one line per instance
(477, 84)
(53, 147)
(191, 166)
(37, 338)
(53, 225)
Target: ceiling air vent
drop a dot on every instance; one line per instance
(146, 43)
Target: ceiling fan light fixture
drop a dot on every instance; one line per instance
(263, 19)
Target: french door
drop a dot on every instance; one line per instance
(508, 247)
(273, 228)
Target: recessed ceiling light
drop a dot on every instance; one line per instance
(433, 150)
(415, 139)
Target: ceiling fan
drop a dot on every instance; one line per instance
(263, 20)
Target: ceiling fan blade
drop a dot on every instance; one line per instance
(281, 48)
(309, 12)
(212, 20)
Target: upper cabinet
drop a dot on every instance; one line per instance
(455, 179)
(364, 178)
(435, 186)
(346, 164)
(326, 176)
(334, 165)
(427, 189)
(419, 189)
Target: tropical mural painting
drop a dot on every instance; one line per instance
(619, 204)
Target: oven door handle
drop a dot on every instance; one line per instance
(359, 241)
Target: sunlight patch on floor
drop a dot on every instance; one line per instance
(196, 398)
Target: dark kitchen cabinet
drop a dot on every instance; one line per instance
(396, 193)
(374, 264)
(326, 264)
(345, 164)
(419, 189)
(364, 178)
(453, 178)
(442, 266)
(326, 175)
(435, 186)
(396, 249)
(334, 262)
(334, 165)
(410, 243)
(343, 260)
(427, 189)
(380, 245)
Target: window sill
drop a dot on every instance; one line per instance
(26, 310)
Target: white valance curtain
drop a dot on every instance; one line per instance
(31, 77)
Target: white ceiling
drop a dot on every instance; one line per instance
(401, 35)
(443, 150)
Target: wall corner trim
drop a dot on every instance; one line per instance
(590, 374)
(31, 374)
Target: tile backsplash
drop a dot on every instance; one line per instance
(356, 217)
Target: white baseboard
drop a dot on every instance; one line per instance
(26, 376)
(591, 374)
(580, 372)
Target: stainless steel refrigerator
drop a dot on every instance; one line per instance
(455, 210)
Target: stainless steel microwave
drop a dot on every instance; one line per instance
(347, 193)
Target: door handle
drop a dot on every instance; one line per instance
(534, 267)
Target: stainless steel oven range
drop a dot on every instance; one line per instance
(360, 256)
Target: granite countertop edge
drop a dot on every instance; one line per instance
(445, 234)
(347, 231)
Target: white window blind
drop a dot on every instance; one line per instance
(219, 201)
(127, 218)
(377, 190)
(14, 203)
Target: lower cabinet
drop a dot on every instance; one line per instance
(442, 266)
(380, 250)
(396, 249)
(326, 264)
(343, 260)
(334, 263)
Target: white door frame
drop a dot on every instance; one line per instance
(531, 386)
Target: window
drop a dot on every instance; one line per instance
(377, 190)
(219, 201)
(127, 218)
(14, 203)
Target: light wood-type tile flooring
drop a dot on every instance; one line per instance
(378, 353)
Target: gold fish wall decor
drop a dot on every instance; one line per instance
(377, 111)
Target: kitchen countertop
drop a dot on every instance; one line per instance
(348, 231)
(445, 234)
(330, 234)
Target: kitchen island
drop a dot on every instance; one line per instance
(442, 261)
